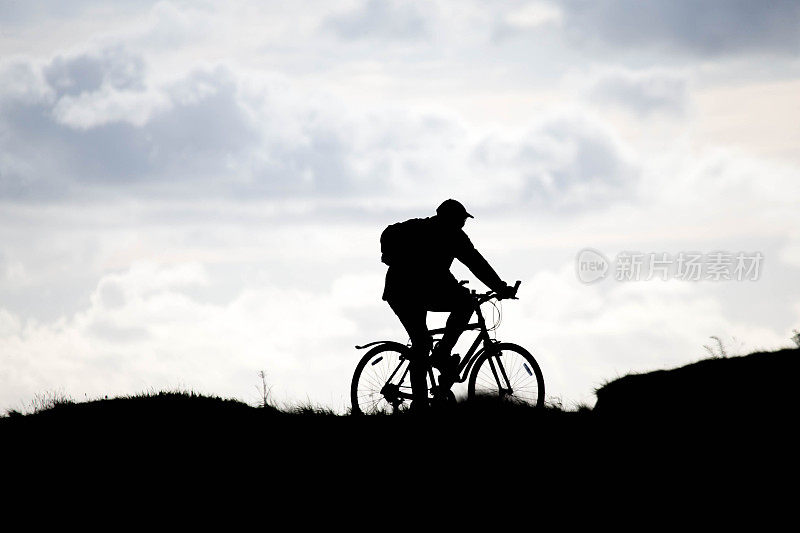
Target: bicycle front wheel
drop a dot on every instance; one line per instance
(508, 372)
(381, 382)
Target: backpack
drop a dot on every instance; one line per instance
(400, 241)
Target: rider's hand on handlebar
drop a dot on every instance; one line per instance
(506, 292)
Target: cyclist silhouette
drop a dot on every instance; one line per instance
(419, 253)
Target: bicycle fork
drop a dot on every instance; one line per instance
(500, 382)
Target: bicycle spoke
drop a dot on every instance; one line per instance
(371, 381)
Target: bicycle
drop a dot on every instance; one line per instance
(381, 382)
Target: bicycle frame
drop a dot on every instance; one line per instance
(474, 351)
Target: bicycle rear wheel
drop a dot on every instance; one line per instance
(508, 372)
(381, 382)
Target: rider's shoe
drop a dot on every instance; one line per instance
(448, 366)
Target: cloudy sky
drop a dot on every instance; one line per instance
(193, 192)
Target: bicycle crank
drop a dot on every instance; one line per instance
(391, 392)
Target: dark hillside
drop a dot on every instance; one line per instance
(181, 417)
(664, 425)
(755, 387)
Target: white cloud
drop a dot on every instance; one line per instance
(791, 252)
(751, 192)
(23, 81)
(12, 271)
(583, 335)
(143, 331)
(534, 14)
(9, 324)
(90, 110)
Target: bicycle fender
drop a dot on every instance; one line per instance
(399, 345)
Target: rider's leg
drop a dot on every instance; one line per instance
(459, 303)
(413, 319)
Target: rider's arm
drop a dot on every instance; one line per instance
(472, 259)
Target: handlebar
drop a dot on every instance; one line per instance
(485, 297)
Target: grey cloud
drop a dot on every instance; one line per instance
(42, 158)
(21, 13)
(110, 332)
(187, 142)
(211, 134)
(708, 28)
(592, 157)
(86, 72)
(193, 139)
(643, 93)
(380, 19)
(316, 166)
(111, 295)
(205, 141)
(564, 163)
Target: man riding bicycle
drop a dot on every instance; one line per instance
(419, 253)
